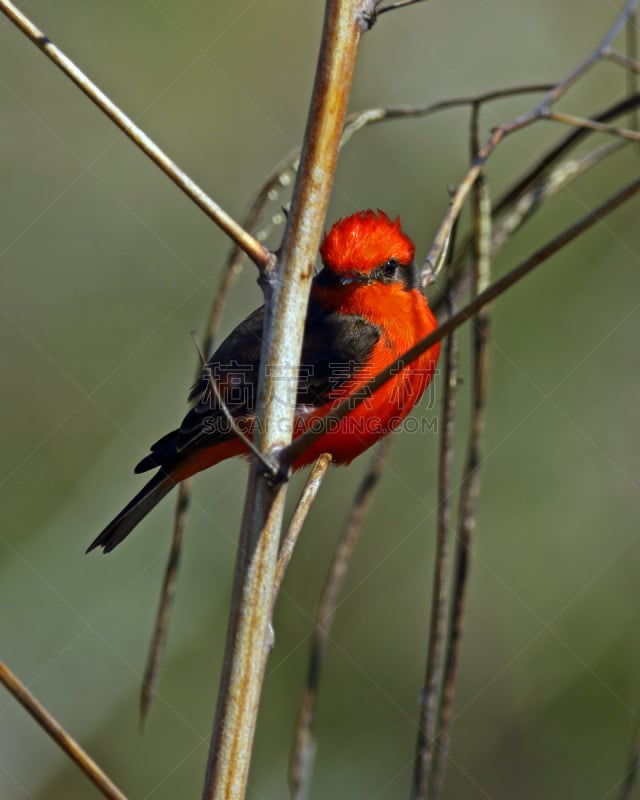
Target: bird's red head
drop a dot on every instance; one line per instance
(364, 241)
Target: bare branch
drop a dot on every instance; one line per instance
(289, 540)
(538, 184)
(256, 252)
(53, 728)
(231, 271)
(165, 604)
(372, 116)
(605, 43)
(541, 111)
(286, 293)
(555, 154)
(302, 754)
(600, 127)
(544, 188)
(624, 61)
(397, 4)
(471, 476)
(438, 619)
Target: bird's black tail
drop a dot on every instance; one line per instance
(146, 499)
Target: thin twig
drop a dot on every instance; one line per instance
(372, 116)
(286, 294)
(165, 604)
(259, 254)
(596, 55)
(470, 480)
(398, 4)
(552, 156)
(358, 120)
(438, 618)
(289, 540)
(524, 184)
(527, 185)
(293, 451)
(600, 127)
(269, 467)
(627, 62)
(53, 728)
(302, 754)
(544, 188)
(538, 184)
(541, 111)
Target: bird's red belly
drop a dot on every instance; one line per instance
(375, 417)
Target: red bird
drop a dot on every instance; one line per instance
(366, 309)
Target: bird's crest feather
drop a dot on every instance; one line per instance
(364, 241)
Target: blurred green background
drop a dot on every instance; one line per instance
(105, 268)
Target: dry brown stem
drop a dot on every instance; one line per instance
(482, 154)
(165, 604)
(53, 728)
(289, 540)
(470, 485)
(302, 754)
(252, 247)
(231, 271)
(250, 617)
(439, 597)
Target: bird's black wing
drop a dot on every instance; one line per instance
(234, 367)
(335, 347)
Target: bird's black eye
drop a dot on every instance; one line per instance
(390, 269)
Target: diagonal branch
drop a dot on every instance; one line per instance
(301, 762)
(600, 127)
(289, 540)
(539, 176)
(621, 60)
(544, 188)
(252, 247)
(597, 55)
(13, 685)
(246, 441)
(541, 111)
(555, 153)
(396, 5)
(165, 604)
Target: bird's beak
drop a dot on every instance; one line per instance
(349, 278)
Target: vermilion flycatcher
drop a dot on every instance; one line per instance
(366, 309)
